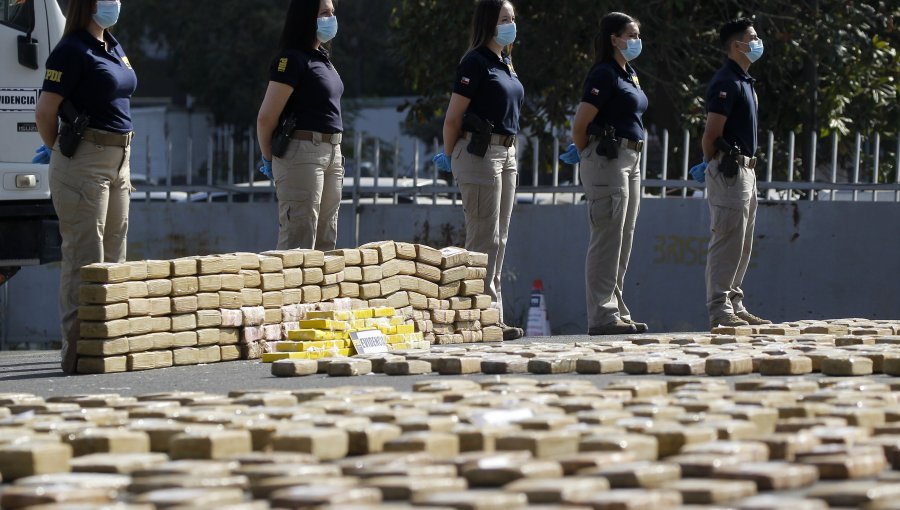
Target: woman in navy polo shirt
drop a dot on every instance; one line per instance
(304, 83)
(609, 135)
(91, 189)
(487, 89)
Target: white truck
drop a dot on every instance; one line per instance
(29, 229)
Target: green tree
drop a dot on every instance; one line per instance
(219, 51)
(829, 64)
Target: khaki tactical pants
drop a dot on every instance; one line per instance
(488, 189)
(91, 194)
(612, 188)
(732, 210)
(308, 183)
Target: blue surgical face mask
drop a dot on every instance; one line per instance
(506, 34)
(107, 13)
(632, 50)
(756, 50)
(326, 28)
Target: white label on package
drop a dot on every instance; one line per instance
(369, 342)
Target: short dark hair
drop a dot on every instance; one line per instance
(79, 15)
(484, 22)
(613, 23)
(732, 30)
(300, 25)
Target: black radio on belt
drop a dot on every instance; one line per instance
(481, 134)
(281, 137)
(730, 153)
(71, 129)
(608, 144)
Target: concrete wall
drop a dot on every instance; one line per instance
(811, 260)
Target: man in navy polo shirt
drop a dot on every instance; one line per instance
(731, 105)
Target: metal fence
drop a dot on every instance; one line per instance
(855, 168)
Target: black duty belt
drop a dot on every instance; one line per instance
(504, 140)
(625, 143)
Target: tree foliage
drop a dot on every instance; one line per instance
(829, 64)
(219, 51)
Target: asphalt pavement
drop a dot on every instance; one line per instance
(38, 372)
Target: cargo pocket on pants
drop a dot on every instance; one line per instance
(724, 219)
(294, 204)
(604, 204)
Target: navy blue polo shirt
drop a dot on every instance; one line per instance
(494, 88)
(98, 81)
(617, 93)
(731, 94)
(318, 88)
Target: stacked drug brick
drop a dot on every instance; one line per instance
(442, 291)
(156, 314)
(328, 334)
(279, 288)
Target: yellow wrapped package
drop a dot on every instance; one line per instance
(364, 313)
(326, 324)
(288, 346)
(310, 335)
(406, 328)
(337, 315)
(388, 330)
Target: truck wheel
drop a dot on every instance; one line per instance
(7, 272)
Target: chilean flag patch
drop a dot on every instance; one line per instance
(464, 80)
(723, 95)
(595, 92)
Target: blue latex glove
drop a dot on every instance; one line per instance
(265, 167)
(42, 157)
(571, 156)
(698, 172)
(442, 162)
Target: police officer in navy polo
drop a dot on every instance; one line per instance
(479, 139)
(729, 146)
(609, 136)
(89, 81)
(304, 85)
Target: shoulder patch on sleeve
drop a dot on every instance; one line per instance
(53, 75)
(723, 95)
(282, 64)
(465, 80)
(595, 91)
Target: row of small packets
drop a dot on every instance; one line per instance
(326, 334)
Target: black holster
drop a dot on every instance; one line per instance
(281, 137)
(607, 143)
(481, 134)
(728, 166)
(71, 128)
